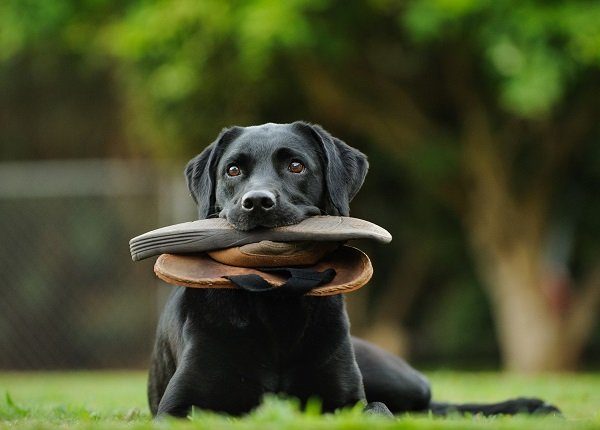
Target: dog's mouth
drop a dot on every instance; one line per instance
(262, 226)
(247, 222)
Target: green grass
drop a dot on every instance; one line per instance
(97, 400)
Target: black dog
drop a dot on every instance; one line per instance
(222, 350)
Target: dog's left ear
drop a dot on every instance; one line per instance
(345, 168)
(200, 172)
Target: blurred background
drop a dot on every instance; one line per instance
(481, 120)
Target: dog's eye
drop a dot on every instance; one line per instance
(233, 170)
(296, 167)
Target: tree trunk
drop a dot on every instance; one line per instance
(533, 334)
(542, 322)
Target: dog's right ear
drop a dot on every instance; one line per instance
(200, 172)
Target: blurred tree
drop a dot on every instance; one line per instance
(489, 109)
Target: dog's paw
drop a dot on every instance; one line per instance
(379, 409)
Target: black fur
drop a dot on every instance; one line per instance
(200, 172)
(224, 349)
(345, 168)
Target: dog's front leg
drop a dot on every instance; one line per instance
(188, 386)
(211, 378)
(180, 395)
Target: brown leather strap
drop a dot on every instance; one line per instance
(353, 270)
(299, 281)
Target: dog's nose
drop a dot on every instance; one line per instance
(261, 199)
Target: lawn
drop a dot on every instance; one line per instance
(95, 400)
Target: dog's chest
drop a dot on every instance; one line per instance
(270, 340)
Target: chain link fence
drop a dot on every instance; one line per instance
(70, 296)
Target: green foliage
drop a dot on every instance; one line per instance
(535, 49)
(201, 50)
(176, 59)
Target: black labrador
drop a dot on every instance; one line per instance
(222, 350)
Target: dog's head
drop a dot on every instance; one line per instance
(275, 174)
